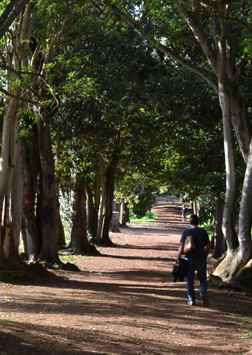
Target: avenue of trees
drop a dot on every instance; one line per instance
(104, 100)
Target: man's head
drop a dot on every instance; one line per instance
(194, 220)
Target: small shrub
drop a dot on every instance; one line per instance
(149, 217)
(145, 201)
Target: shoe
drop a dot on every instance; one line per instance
(191, 303)
(205, 301)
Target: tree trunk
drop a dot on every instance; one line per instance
(8, 123)
(110, 181)
(91, 213)
(30, 156)
(124, 214)
(245, 215)
(102, 202)
(17, 197)
(228, 213)
(79, 243)
(62, 239)
(114, 223)
(97, 193)
(241, 125)
(220, 245)
(49, 215)
(12, 188)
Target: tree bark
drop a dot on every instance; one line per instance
(228, 213)
(49, 215)
(110, 181)
(30, 156)
(102, 203)
(62, 239)
(91, 213)
(124, 214)
(12, 186)
(220, 245)
(241, 124)
(8, 123)
(245, 215)
(79, 242)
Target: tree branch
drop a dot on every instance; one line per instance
(7, 11)
(242, 24)
(7, 21)
(200, 37)
(53, 42)
(170, 53)
(18, 97)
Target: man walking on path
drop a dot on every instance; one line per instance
(196, 260)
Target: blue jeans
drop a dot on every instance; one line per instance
(201, 273)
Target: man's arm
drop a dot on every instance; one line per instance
(180, 250)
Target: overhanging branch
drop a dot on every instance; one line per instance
(170, 53)
(8, 17)
(7, 93)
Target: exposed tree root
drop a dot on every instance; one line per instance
(234, 272)
(229, 266)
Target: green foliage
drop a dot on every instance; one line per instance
(207, 209)
(149, 217)
(145, 201)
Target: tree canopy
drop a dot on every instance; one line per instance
(122, 96)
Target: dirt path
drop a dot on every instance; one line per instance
(123, 302)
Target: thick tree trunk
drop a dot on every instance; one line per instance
(79, 243)
(241, 125)
(124, 214)
(110, 181)
(17, 190)
(30, 157)
(8, 123)
(13, 193)
(245, 215)
(228, 213)
(49, 215)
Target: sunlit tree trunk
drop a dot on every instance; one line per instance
(228, 212)
(12, 191)
(245, 215)
(8, 123)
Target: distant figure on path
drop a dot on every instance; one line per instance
(184, 211)
(196, 260)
